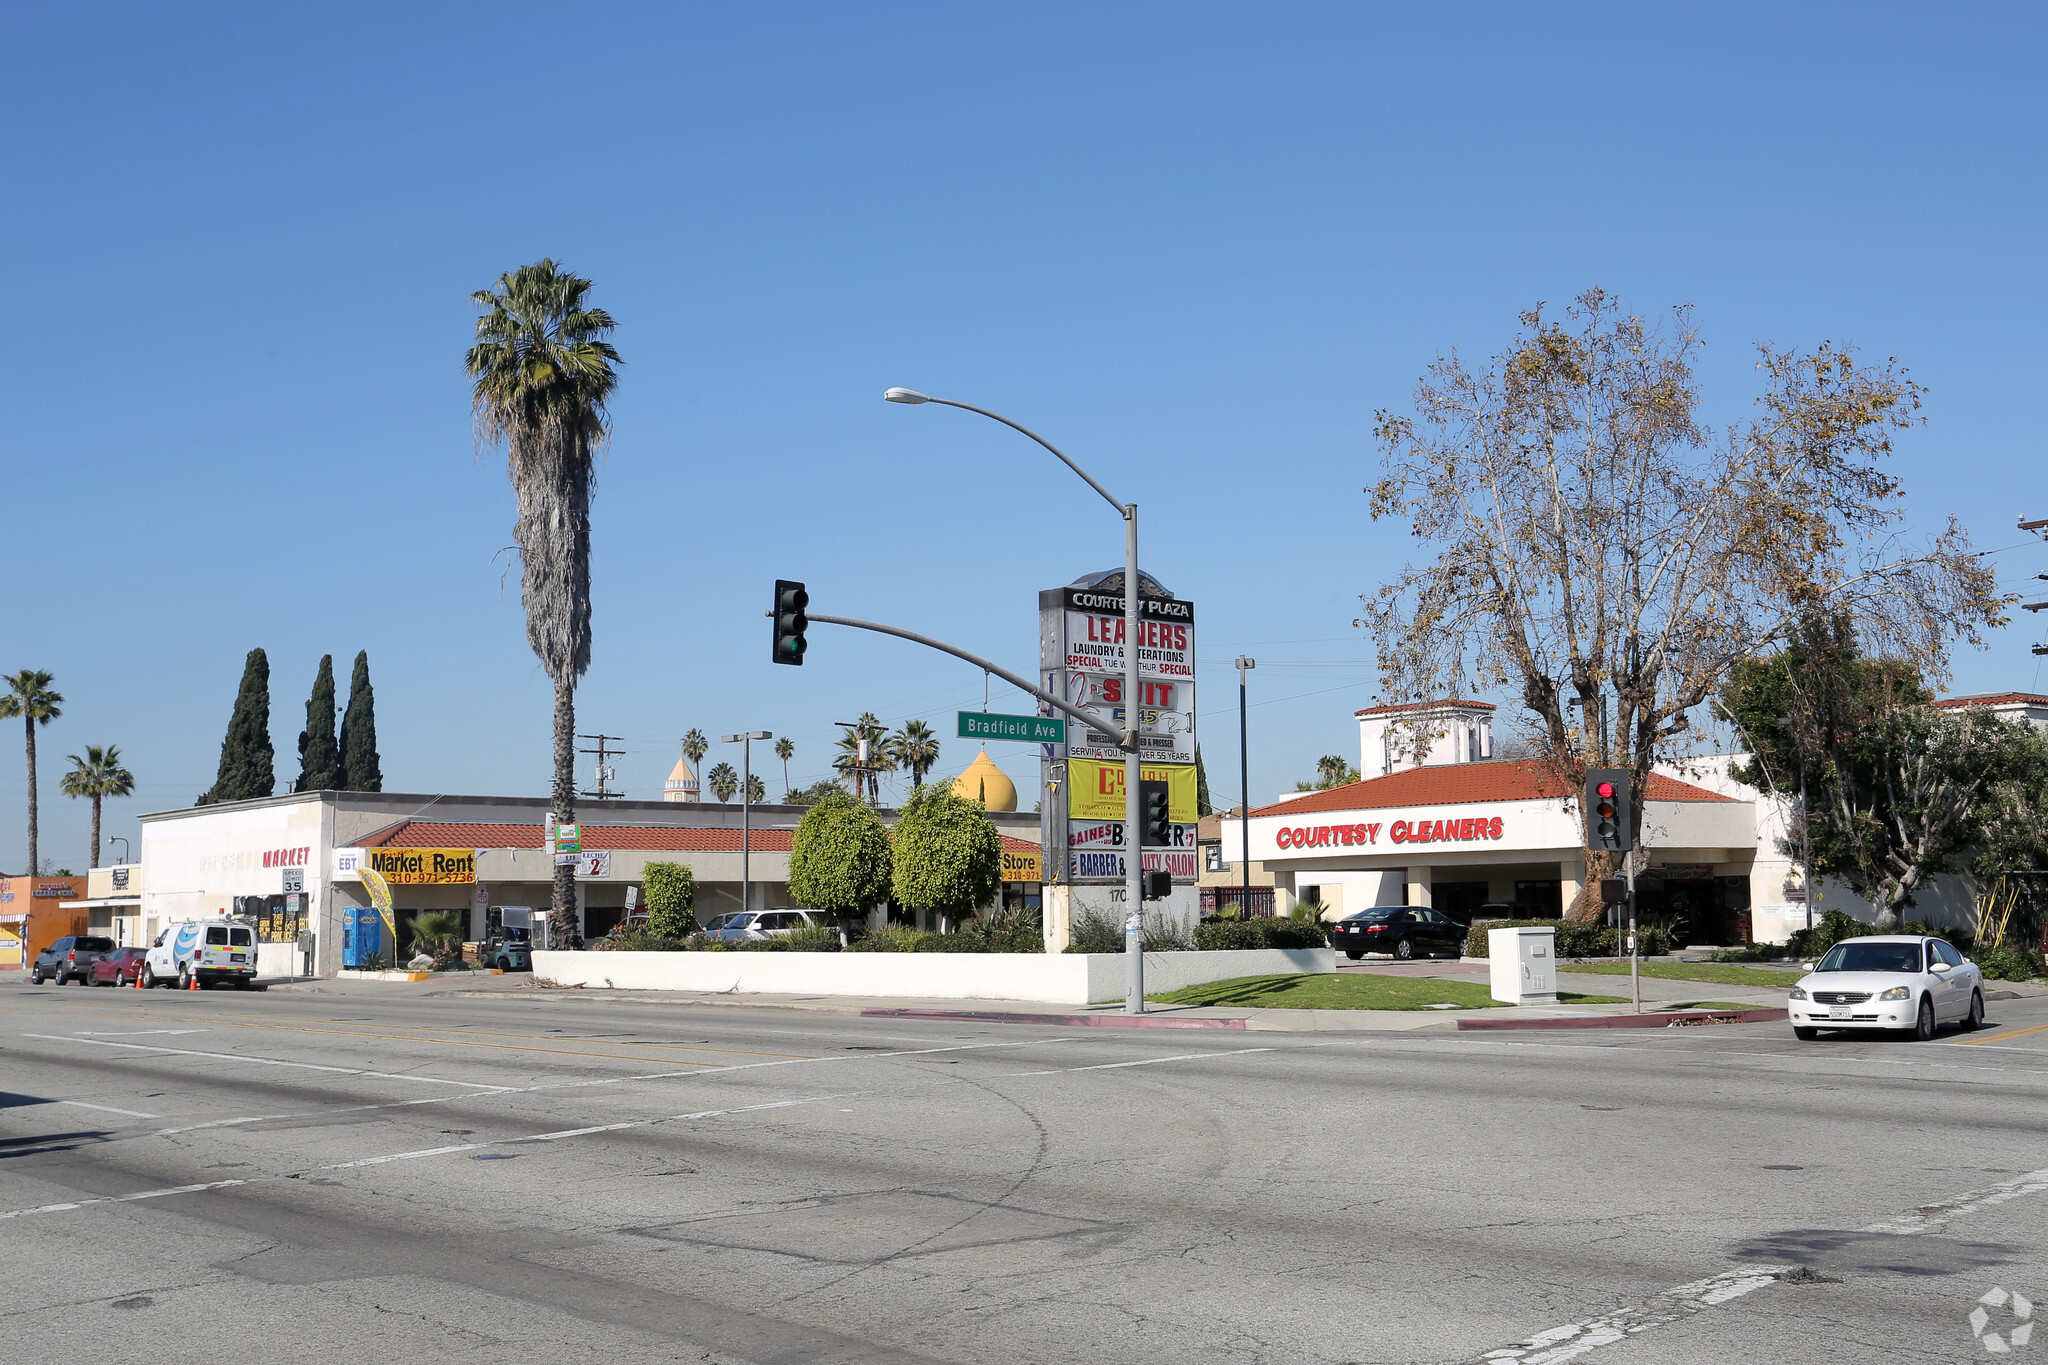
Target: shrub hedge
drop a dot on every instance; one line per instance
(1575, 939)
(1240, 934)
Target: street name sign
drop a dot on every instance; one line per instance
(1024, 729)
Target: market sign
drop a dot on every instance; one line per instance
(568, 839)
(422, 866)
(1023, 866)
(1095, 789)
(1028, 729)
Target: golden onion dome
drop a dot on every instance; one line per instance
(985, 782)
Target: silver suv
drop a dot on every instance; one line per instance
(70, 958)
(745, 926)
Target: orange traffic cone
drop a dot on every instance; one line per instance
(138, 981)
(195, 982)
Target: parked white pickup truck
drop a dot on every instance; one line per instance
(205, 951)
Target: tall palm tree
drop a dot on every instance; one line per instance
(866, 777)
(757, 790)
(723, 781)
(695, 746)
(543, 373)
(916, 748)
(785, 748)
(29, 697)
(98, 775)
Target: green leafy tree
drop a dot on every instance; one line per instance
(948, 856)
(543, 375)
(320, 766)
(785, 749)
(671, 899)
(246, 759)
(360, 769)
(839, 858)
(96, 777)
(723, 780)
(1898, 790)
(29, 699)
(916, 748)
(811, 795)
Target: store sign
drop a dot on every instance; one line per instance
(568, 839)
(1166, 648)
(423, 866)
(348, 864)
(1462, 829)
(594, 864)
(51, 890)
(1166, 718)
(1110, 834)
(120, 878)
(1095, 789)
(1023, 867)
(286, 857)
(1107, 865)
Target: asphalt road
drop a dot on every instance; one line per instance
(371, 1173)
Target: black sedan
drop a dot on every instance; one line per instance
(1405, 932)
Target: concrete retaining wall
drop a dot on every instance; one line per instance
(1065, 978)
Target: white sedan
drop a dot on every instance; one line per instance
(1889, 981)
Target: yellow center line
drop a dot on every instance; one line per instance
(418, 1035)
(2002, 1036)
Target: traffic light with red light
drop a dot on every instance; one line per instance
(1607, 813)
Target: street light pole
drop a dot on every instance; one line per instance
(1244, 787)
(1134, 871)
(745, 740)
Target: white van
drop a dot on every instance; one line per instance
(206, 951)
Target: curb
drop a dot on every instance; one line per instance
(1064, 1020)
(1674, 1019)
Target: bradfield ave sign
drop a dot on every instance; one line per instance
(1027, 729)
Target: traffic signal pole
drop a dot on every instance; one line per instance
(1134, 830)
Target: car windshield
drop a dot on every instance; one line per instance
(1370, 915)
(1871, 957)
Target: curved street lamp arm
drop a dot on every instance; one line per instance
(1122, 509)
(1005, 674)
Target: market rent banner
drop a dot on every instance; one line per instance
(423, 866)
(1095, 789)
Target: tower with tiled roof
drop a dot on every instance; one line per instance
(682, 783)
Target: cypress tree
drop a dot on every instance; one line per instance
(319, 754)
(246, 758)
(359, 768)
(1202, 806)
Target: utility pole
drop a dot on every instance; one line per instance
(1245, 664)
(2039, 528)
(606, 773)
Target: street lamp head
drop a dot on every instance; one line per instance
(905, 396)
(1245, 661)
(750, 734)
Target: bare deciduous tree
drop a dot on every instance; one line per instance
(1596, 542)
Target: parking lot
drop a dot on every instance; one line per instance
(392, 1172)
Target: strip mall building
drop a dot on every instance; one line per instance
(1460, 830)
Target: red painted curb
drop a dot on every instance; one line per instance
(1676, 1018)
(1064, 1020)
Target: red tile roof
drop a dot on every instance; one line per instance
(654, 838)
(1997, 699)
(1426, 706)
(1460, 784)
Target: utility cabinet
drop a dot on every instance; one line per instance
(1524, 965)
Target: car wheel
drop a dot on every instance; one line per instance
(1805, 1035)
(35, 976)
(148, 977)
(1974, 1020)
(1405, 949)
(184, 978)
(1923, 1024)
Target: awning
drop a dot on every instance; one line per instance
(14, 917)
(130, 902)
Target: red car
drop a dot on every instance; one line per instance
(119, 968)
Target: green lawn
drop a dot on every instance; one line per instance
(1720, 973)
(1328, 991)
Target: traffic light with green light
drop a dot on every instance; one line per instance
(790, 622)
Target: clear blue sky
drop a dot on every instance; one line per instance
(1196, 246)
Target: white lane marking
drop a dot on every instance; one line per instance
(123, 1198)
(109, 1109)
(1149, 1061)
(137, 1033)
(1576, 1338)
(580, 1132)
(268, 1061)
(1935, 1217)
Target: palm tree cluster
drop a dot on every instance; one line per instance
(724, 780)
(97, 775)
(913, 748)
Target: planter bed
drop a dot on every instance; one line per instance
(1063, 978)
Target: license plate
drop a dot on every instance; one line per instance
(236, 958)
(1839, 1011)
